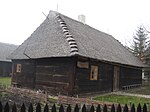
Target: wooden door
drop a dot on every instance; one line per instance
(116, 78)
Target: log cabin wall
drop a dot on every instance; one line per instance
(84, 83)
(5, 69)
(130, 76)
(1, 68)
(55, 75)
(71, 75)
(23, 73)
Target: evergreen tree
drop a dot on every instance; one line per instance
(140, 43)
(141, 47)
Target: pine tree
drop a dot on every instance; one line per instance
(140, 43)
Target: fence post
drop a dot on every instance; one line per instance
(144, 108)
(84, 108)
(1, 107)
(98, 109)
(61, 109)
(14, 108)
(30, 109)
(69, 108)
(46, 109)
(113, 108)
(92, 109)
(132, 108)
(38, 108)
(23, 108)
(119, 109)
(105, 108)
(76, 109)
(125, 109)
(53, 108)
(6, 108)
(139, 108)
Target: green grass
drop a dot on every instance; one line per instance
(5, 81)
(122, 99)
(52, 99)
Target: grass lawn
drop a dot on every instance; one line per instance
(6, 81)
(122, 99)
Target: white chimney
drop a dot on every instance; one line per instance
(81, 18)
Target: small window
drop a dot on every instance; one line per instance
(94, 73)
(18, 69)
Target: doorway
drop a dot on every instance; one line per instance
(116, 78)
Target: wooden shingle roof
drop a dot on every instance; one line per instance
(61, 36)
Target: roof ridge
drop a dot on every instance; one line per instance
(70, 39)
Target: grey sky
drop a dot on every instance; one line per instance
(120, 18)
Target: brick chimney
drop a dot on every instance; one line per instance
(81, 18)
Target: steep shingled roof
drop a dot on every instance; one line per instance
(6, 50)
(61, 36)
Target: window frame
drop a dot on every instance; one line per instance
(94, 68)
(18, 68)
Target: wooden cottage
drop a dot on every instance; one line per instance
(5, 64)
(67, 56)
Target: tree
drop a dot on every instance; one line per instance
(140, 43)
(141, 47)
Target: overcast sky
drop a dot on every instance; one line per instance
(120, 18)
